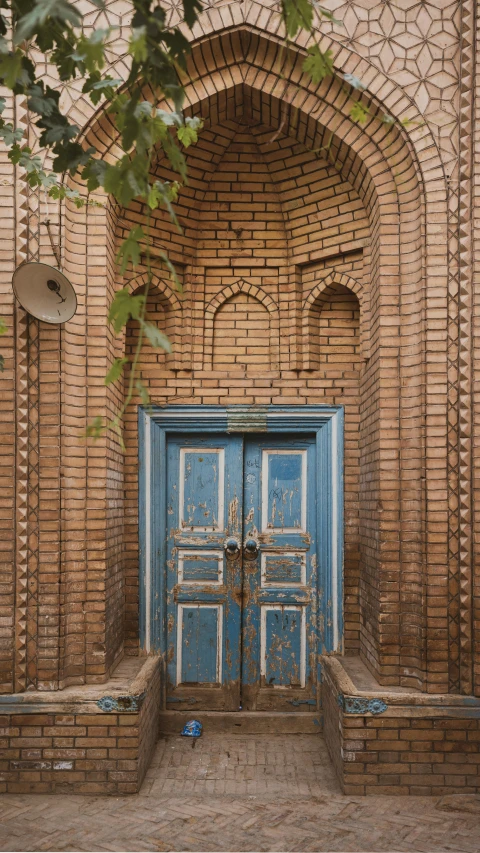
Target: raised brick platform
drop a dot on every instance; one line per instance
(396, 741)
(94, 739)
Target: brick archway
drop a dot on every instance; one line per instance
(387, 166)
(227, 293)
(174, 313)
(309, 361)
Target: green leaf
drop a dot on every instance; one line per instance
(41, 11)
(90, 52)
(358, 112)
(69, 156)
(191, 11)
(129, 251)
(2, 105)
(115, 371)
(3, 326)
(127, 179)
(143, 393)
(156, 337)
(188, 134)
(14, 71)
(95, 428)
(175, 156)
(10, 134)
(100, 87)
(40, 101)
(123, 308)
(138, 44)
(297, 15)
(2, 363)
(94, 174)
(318, 64)
(164, 193)
(170, 119)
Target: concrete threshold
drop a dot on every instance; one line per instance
(243, 722)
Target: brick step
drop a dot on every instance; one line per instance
(243, 722)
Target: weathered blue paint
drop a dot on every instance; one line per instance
(280, 628)
(360, 705)
(144, 435)
(131, 703)
(201, 490)
(197, 568)
(204, 427)
(199, 633)
(279, 570)
(203, 607)
(283, 640)
(284, 496)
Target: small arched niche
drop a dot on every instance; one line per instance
(163, 310)
(332, 337)
(241, 336)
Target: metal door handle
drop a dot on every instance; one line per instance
(232, 547)
(250, 547)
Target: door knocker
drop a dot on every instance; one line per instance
(250, 548)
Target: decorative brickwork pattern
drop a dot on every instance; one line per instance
(322, 261)
(265, 176)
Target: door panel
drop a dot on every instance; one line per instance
(203, 587)
(241, 573)
(280, 578)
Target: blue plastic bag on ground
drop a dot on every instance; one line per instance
(192, 729)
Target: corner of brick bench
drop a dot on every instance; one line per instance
(393, 741)
(90, 739)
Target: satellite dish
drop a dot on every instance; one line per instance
(44, 292)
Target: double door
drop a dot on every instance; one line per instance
(243, 620)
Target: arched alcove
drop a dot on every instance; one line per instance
(335, 329)
(334, 323)
(241, 337)
(242, 316)
(385, 168)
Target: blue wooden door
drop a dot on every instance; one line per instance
(242, 593)
(279, 616)
(203, 585)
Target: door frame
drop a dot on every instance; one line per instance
(154, 425)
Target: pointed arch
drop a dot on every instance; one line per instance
(242, 286)
(235, 60)
(309, 357)
(173, 313)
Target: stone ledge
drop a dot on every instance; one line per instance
(124, 692)
(348, 673)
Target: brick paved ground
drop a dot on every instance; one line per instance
(240, 793)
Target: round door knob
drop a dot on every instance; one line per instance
(232, 547)
(250, 548)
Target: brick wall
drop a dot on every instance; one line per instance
(417, 745)
(81, 749)
(284, 191)
(247, 196)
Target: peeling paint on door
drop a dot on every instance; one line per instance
(242, 632)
